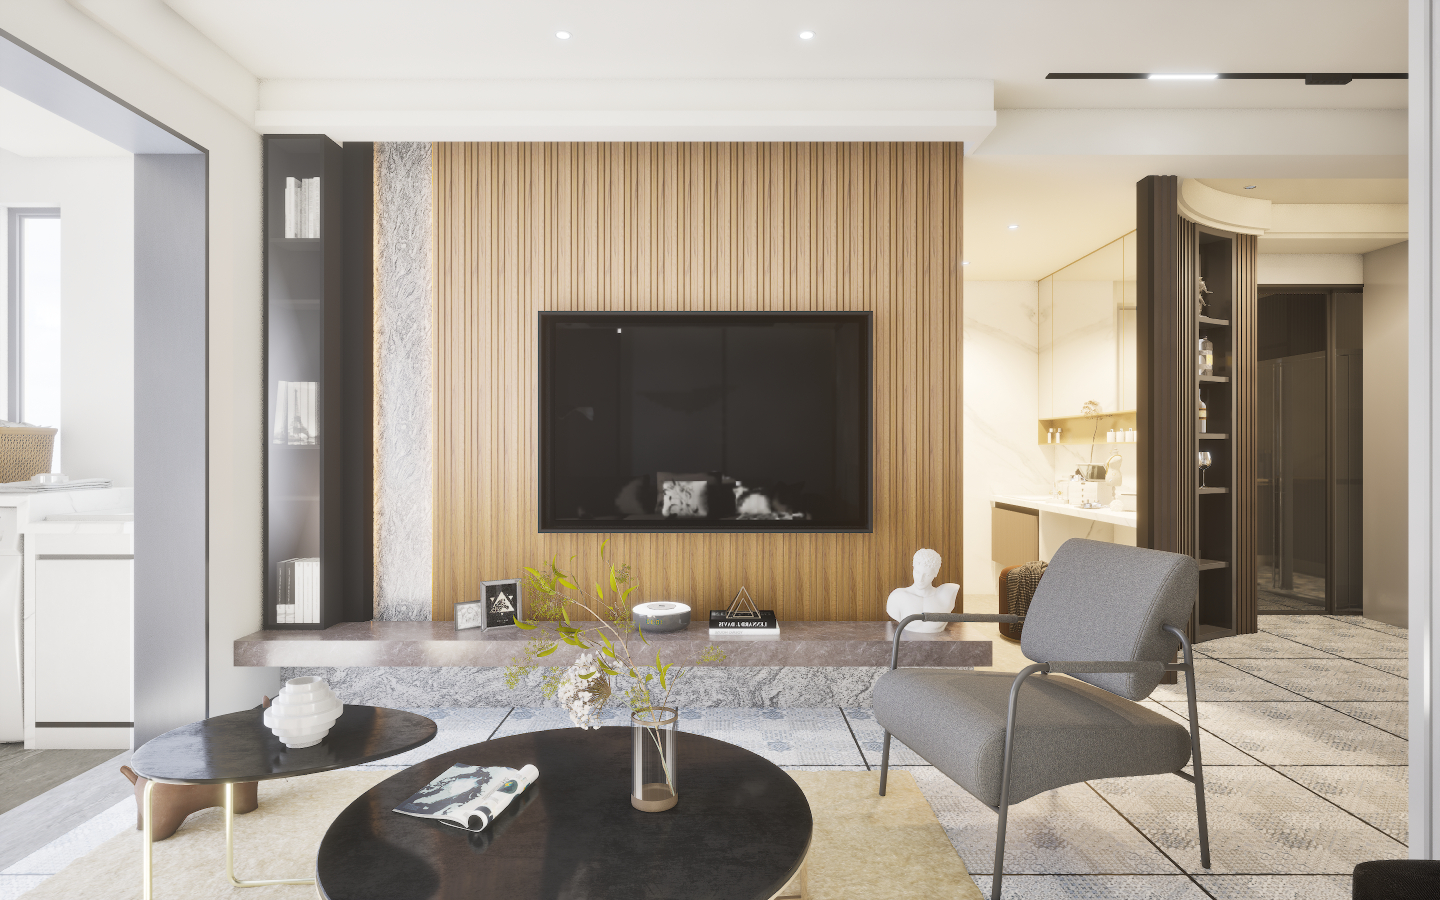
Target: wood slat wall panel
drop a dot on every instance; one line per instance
(521, 228)
(1244, 320)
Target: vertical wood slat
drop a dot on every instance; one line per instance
(1244, 324)
(521, 228)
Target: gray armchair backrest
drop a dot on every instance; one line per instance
(1108, 602)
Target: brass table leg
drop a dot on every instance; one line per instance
(229, 849)
(147, 848)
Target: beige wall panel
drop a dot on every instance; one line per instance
(521, 228)
(1014, 537)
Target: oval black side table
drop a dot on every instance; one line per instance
(741, 830)
(238, 747)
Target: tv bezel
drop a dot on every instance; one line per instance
(547, 321)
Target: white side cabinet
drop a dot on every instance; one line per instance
(79, 640)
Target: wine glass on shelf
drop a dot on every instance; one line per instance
(1205, 461)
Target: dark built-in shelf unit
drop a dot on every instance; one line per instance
(1215, 524)
(318, 380)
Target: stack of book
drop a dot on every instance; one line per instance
(299, 602)
(302, 207)
(297, 419)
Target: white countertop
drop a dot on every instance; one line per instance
(1051, 505)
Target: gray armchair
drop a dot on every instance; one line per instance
(1107, 615)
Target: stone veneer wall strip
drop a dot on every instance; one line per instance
(403, 426)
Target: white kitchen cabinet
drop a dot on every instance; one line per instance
(83, 641)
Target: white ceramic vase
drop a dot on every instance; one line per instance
(304, 712)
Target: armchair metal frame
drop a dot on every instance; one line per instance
(1077, 667)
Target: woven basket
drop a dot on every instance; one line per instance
(25, 451)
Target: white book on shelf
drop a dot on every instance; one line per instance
(312, 412)
(292, 207)
(280, 429)
(312, 580)
(312, 207)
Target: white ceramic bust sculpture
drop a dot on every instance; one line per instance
(923, 596)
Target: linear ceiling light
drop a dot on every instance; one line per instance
(1307, 77)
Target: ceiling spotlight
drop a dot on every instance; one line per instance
(965, 262)
(1013, 227)
(563, 35)
(1251, 187)
(1169, 77)
(806, 35)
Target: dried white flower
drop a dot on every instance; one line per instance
(583, 691)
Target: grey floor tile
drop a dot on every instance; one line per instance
(1216, 680)
(1374, 625)
(526, 719)
(1276, 887)
(1392, 715)
(12, 886)
(1259, 646)
(1400, 668)
(77, 842)
(456, 727)
(1301, 734)
(1069, 831)
(26, 774)
(1335, 636)
(1260, 823)
(1375, 794)
(1094, 887)
(1213, 750)
(872, 739)
(786, 737)
(1327, 679)
(48, 817)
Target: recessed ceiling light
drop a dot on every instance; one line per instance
(1176, 77)
(1013, 227)
(806, 35)
(563, 35)
(965, 262)
(1251, 187)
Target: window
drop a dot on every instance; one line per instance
(32, 325)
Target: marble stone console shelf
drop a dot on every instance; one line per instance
(438, 644)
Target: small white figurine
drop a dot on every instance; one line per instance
(923, 596)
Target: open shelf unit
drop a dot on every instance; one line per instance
(318, 469)
(1087, 429)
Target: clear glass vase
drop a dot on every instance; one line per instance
(652, 758)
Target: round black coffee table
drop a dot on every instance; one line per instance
(740, 831)
(238, 747)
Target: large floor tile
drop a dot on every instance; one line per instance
(12, 886)
(1375, 794)
(1327, 679)
(1213, 751)
(523, 720)
(1373, 625)
(1094, 887)
(1300, 734)
(1392, 715)
(1216, 680)
(1260, 823)
(1069, 831)
(456, 727)
(1276, 887)
(1335, 636)
(1259, 646)
(1400, 668)
(786, 737)
(871, 738)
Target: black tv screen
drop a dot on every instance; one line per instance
(705, 421)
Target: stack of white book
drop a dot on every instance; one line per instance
(299, 592)
(297, 419)
(302, 207)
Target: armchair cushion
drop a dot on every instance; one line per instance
(1111, 602)
(1065, 731)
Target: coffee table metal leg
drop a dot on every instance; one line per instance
(229, 850)
(147, 848)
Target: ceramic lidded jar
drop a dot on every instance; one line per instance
(304, 712)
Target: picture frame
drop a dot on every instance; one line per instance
(470, 614)
(501, 603)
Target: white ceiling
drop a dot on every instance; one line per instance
(32, 130)
(1315, 190)
(1015, 43)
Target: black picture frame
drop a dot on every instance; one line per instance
(496, 595)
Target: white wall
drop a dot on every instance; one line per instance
(1385, 504)
(58, 30)
(1310, 268)
(97, 284)
(1001, 453)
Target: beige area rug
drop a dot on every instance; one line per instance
(865, 846)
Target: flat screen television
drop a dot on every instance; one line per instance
(743, 421)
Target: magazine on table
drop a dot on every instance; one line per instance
(469, 797)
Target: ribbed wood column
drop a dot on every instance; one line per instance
(1245, 328)
(521, 228)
